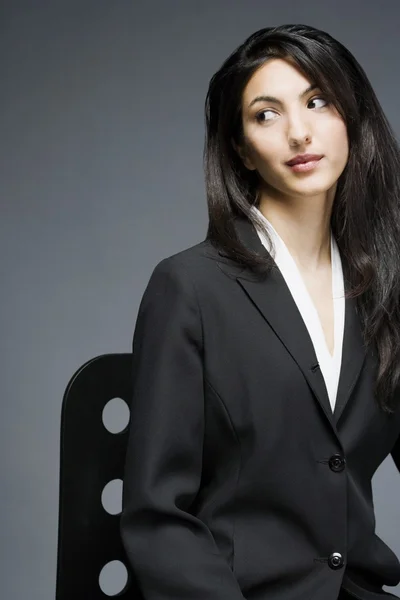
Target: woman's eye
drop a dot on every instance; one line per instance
(320, 98)
(259, 116)
(264, 112)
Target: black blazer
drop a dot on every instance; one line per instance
(240, 482)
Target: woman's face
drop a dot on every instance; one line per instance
(296, 122)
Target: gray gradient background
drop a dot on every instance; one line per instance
(101, 127)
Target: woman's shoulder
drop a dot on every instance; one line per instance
(202, 263)
(201, 256)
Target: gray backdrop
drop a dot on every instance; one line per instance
(101, 131)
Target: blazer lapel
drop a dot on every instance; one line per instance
(353, 356)
(274, 300)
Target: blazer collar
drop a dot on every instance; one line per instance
(274, 300)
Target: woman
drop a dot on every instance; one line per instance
(266, 358)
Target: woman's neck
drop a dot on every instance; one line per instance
(305, 230)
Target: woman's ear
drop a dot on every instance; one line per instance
(235, 146)
(243, 154)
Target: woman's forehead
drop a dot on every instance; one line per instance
(276, 78)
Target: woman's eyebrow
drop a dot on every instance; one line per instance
(310, 88)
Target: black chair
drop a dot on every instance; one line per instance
(90, 457)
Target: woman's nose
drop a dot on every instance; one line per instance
(298, 130)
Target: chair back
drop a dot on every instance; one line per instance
(91, 456)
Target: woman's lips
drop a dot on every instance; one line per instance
(305, 166)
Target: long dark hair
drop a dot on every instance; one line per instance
(366, 213)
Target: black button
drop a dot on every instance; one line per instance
(337, 463)
(336, 560)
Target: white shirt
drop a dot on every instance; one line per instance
(330, 365)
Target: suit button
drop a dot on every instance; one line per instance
(336, 561)
(337, 463)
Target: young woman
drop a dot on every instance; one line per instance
(267, 357)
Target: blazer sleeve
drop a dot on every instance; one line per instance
(172, 553)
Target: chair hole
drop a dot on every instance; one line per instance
(111, 497)
(115, 415)
(113, 578)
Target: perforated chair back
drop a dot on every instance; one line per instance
(90, 457)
